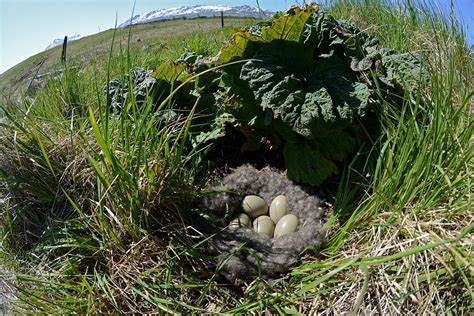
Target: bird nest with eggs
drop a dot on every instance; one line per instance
(272, 221)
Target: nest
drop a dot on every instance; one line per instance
(246, 253)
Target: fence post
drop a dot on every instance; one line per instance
(222, 19)
(63, 54)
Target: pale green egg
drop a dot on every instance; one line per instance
(254, 206)
(264, 225)
(286, 225)
(278, 208)
(240, 220)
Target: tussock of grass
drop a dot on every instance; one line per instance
(97, 212)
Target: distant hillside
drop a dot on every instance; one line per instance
(196, 11)
(188, 12)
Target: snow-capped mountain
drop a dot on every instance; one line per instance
(198, 11)
(59, 41)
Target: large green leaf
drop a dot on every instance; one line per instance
(289, 27)
(244, 44)
(335, 144)
(170, 72)
(404, 71)
(305, 95)
(307, 164)
(217, 130)
(350, 96)
(320, 34)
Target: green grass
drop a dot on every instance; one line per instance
(100, 207)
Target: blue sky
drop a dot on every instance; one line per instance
(28, 26)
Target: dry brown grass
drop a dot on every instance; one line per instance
(429, 281)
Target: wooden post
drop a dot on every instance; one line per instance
(222, 19)
(63, 54)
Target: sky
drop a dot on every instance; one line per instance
(28, 26)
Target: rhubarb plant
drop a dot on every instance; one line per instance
(310, 80)
(302, 81)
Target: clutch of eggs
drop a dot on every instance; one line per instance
(273, 221)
